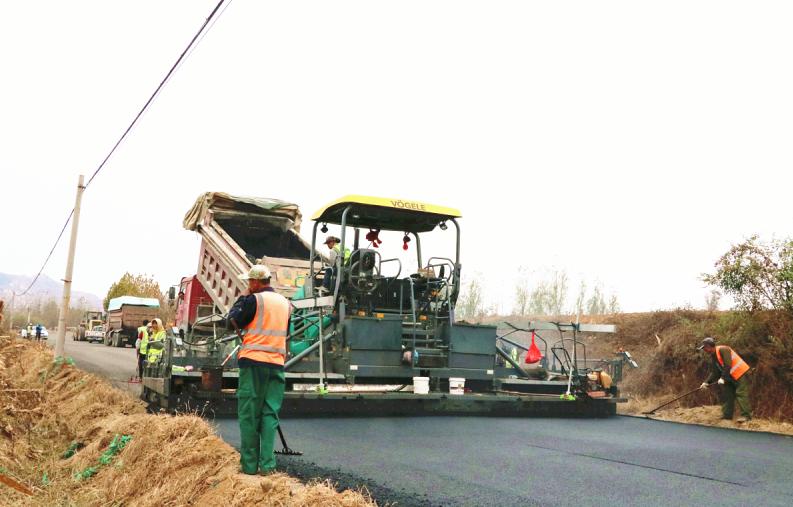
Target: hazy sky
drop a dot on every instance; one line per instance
(625, 142)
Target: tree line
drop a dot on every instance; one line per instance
(547, 296)
(46, 311)
(757, 274)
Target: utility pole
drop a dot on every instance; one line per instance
(67, 279)
(11, 317)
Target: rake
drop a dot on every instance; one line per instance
(674, 400)
(286, 451)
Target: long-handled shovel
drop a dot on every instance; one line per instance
(672, 401)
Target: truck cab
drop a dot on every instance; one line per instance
(194, 307)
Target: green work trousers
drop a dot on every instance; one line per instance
(736, 391)
(259, 397)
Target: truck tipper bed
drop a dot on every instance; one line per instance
(237, 232)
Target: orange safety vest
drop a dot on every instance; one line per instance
(265, 335)
(738, 367)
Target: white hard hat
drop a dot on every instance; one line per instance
(257, 272)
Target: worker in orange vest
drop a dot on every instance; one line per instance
(261, 319)
(729, 370)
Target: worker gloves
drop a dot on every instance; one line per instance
(705, 384)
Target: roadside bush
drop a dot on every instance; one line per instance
(757, 274)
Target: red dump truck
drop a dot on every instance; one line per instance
(124, 315)
(237, 232)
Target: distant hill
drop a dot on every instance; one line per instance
(45, 288)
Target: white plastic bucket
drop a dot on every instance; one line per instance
(421, 385)
(456, 385)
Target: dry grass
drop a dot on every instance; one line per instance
(708, 415)
(170, 461)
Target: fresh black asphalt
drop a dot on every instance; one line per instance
(500, 461)
(554, 462)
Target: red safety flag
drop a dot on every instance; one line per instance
(533, 355)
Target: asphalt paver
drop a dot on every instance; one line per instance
(511, 461)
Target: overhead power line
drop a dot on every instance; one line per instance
(156, 91)
(68, 219)
(208, 23)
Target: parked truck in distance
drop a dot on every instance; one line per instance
(124, 315)
(91, 327)
(95, 335)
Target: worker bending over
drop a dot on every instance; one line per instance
(261, 319)
(730, 370)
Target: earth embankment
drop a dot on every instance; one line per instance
(69, 438)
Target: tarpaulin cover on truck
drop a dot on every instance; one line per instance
(260, 227)
(221, 202)
(116, 303)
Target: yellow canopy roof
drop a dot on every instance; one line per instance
(385, 213)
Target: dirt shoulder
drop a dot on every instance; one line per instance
(708, 415)
(69, 438)
(115, 365)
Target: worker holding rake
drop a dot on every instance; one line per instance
(729, 370)
(261, 319)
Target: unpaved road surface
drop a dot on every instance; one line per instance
(553, 462)
(116, 364)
